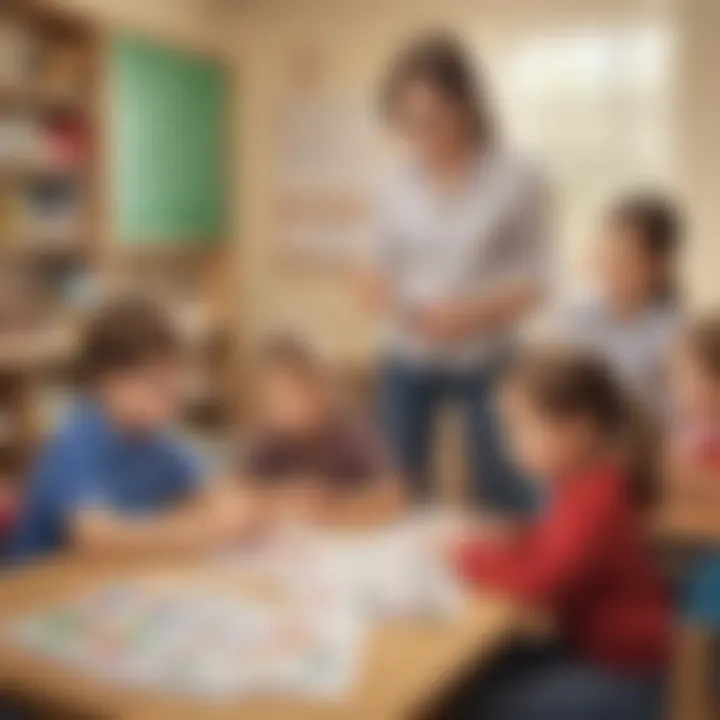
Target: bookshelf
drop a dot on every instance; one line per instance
(49, 167)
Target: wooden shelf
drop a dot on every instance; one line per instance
(26, 96)
(170, 247)
(35, 247)
(22, 171)
(30, 356)
(49, 14)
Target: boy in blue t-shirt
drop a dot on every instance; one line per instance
(112, 479)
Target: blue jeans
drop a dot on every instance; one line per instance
(548, 683)
(411, 397)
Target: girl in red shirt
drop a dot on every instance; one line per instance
(584, 560)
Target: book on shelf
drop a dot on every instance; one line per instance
(53, 66)
(56, 143)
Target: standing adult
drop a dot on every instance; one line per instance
(459, 260)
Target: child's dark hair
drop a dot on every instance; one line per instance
(441, 61)
(658, 224)
(125, 334)
(702, 339)
(570, 383)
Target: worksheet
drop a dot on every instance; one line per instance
(395, 572)
(188, 640)
(188, 634)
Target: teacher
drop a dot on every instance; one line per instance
(459, 259)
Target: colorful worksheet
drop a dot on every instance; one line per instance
(189, 634)
(190, 640)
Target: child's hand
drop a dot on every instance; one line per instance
(234, 517)
(303, 502)
(448, 321)
(483, 529)
(445, 537)
(497, 529)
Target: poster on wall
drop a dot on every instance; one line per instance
(323, 167)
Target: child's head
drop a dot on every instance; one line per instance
(294, 390)
(132, 360)
(695, 376)
(638, 252)
(563, 408)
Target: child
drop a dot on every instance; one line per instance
(634, 318)
(111, 478)
(309, 456)
(694, 501)
(584, 560)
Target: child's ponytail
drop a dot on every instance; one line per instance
(640, 446)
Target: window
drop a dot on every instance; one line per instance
(593, 106)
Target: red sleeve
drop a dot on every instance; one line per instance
(556, 553)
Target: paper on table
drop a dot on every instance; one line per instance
(391, 573)
(188, 640)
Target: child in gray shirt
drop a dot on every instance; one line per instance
(635, 317)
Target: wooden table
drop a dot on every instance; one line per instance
(405, 666)
(693, 524)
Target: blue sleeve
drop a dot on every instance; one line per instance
(83, 483)
(186, 468)
(64, 479)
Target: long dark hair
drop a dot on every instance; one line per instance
(658, 224)
(571, 383)
(441, 61)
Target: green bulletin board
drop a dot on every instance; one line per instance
(169, 142)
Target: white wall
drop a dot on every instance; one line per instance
(698, 121)
(360, 35)
(181, 20)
